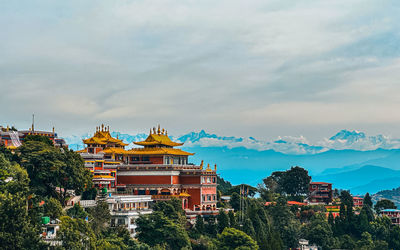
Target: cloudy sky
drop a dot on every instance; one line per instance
(246, 68)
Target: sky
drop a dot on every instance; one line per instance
(245, 68)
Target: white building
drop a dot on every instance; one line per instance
(125, 209)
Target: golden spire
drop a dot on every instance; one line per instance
(102, 127)
(54, 130)
(159, 130)
(215, 167)
(154, 130)
(166, 132)
(163, 131)
(150, 132)
(108, 128)
(201, 164)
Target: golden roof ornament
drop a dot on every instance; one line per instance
(201, 164)
(215, 167)
(150, 132)
(159, 130)
(154, 130)
(163, 131)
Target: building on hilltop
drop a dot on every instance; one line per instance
(157, 169)
(358, 202)
(320, 193)
(12, 138)
(393, 214)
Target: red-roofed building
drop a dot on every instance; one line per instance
(358, 202)
(320, 192)
(292, 203)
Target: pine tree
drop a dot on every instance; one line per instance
(248, 228)
(200, 224)
(232, 219)
(223, 221)
(367, 200)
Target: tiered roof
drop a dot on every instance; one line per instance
(147, 151)
(158, 138)
(157, 143)
(103, 137)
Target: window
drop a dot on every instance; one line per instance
(132, 220)
(214, 181)
(208, 180)
(209, 197)
(145, 158)
(141, 192)
(153, 192)
(134, 158)
(204, 198)
(121, 222)
(132, 231)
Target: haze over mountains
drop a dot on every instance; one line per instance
(350, 159)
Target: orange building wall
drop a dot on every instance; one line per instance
(156, 160)
(144, 179)
(190, 179)
(195, 197)
(209, 190)
(175, 180)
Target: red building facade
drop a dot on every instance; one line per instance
(320, 192)
(159, 169)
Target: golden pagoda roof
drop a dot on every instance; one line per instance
(103, 137)
(184, 194)
(159, 137)
(146, 151)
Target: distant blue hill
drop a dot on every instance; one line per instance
(241, 165)
(365, 179)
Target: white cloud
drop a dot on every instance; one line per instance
(258, 68)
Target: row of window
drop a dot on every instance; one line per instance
(209, 197)
(208, 180)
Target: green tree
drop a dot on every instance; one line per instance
(346, 242)
(172, 209)
(394, 238)
(76, 234)
(52, 169)
(232, 219)
(235, 201)
(367, 200)
(89, 194)
(296, 181)
(318, 231)
(100, 216)
(200, 224)
(223, 221)
(156, 229)
(384, 204)
(16, 231)
(248, 228)
(223, 186)
(77, 212)
(365, 242)
(232, 238)
(39, 138)
(53, 208)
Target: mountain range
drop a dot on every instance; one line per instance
(349, 159)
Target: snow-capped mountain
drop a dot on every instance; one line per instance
(344, 139)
